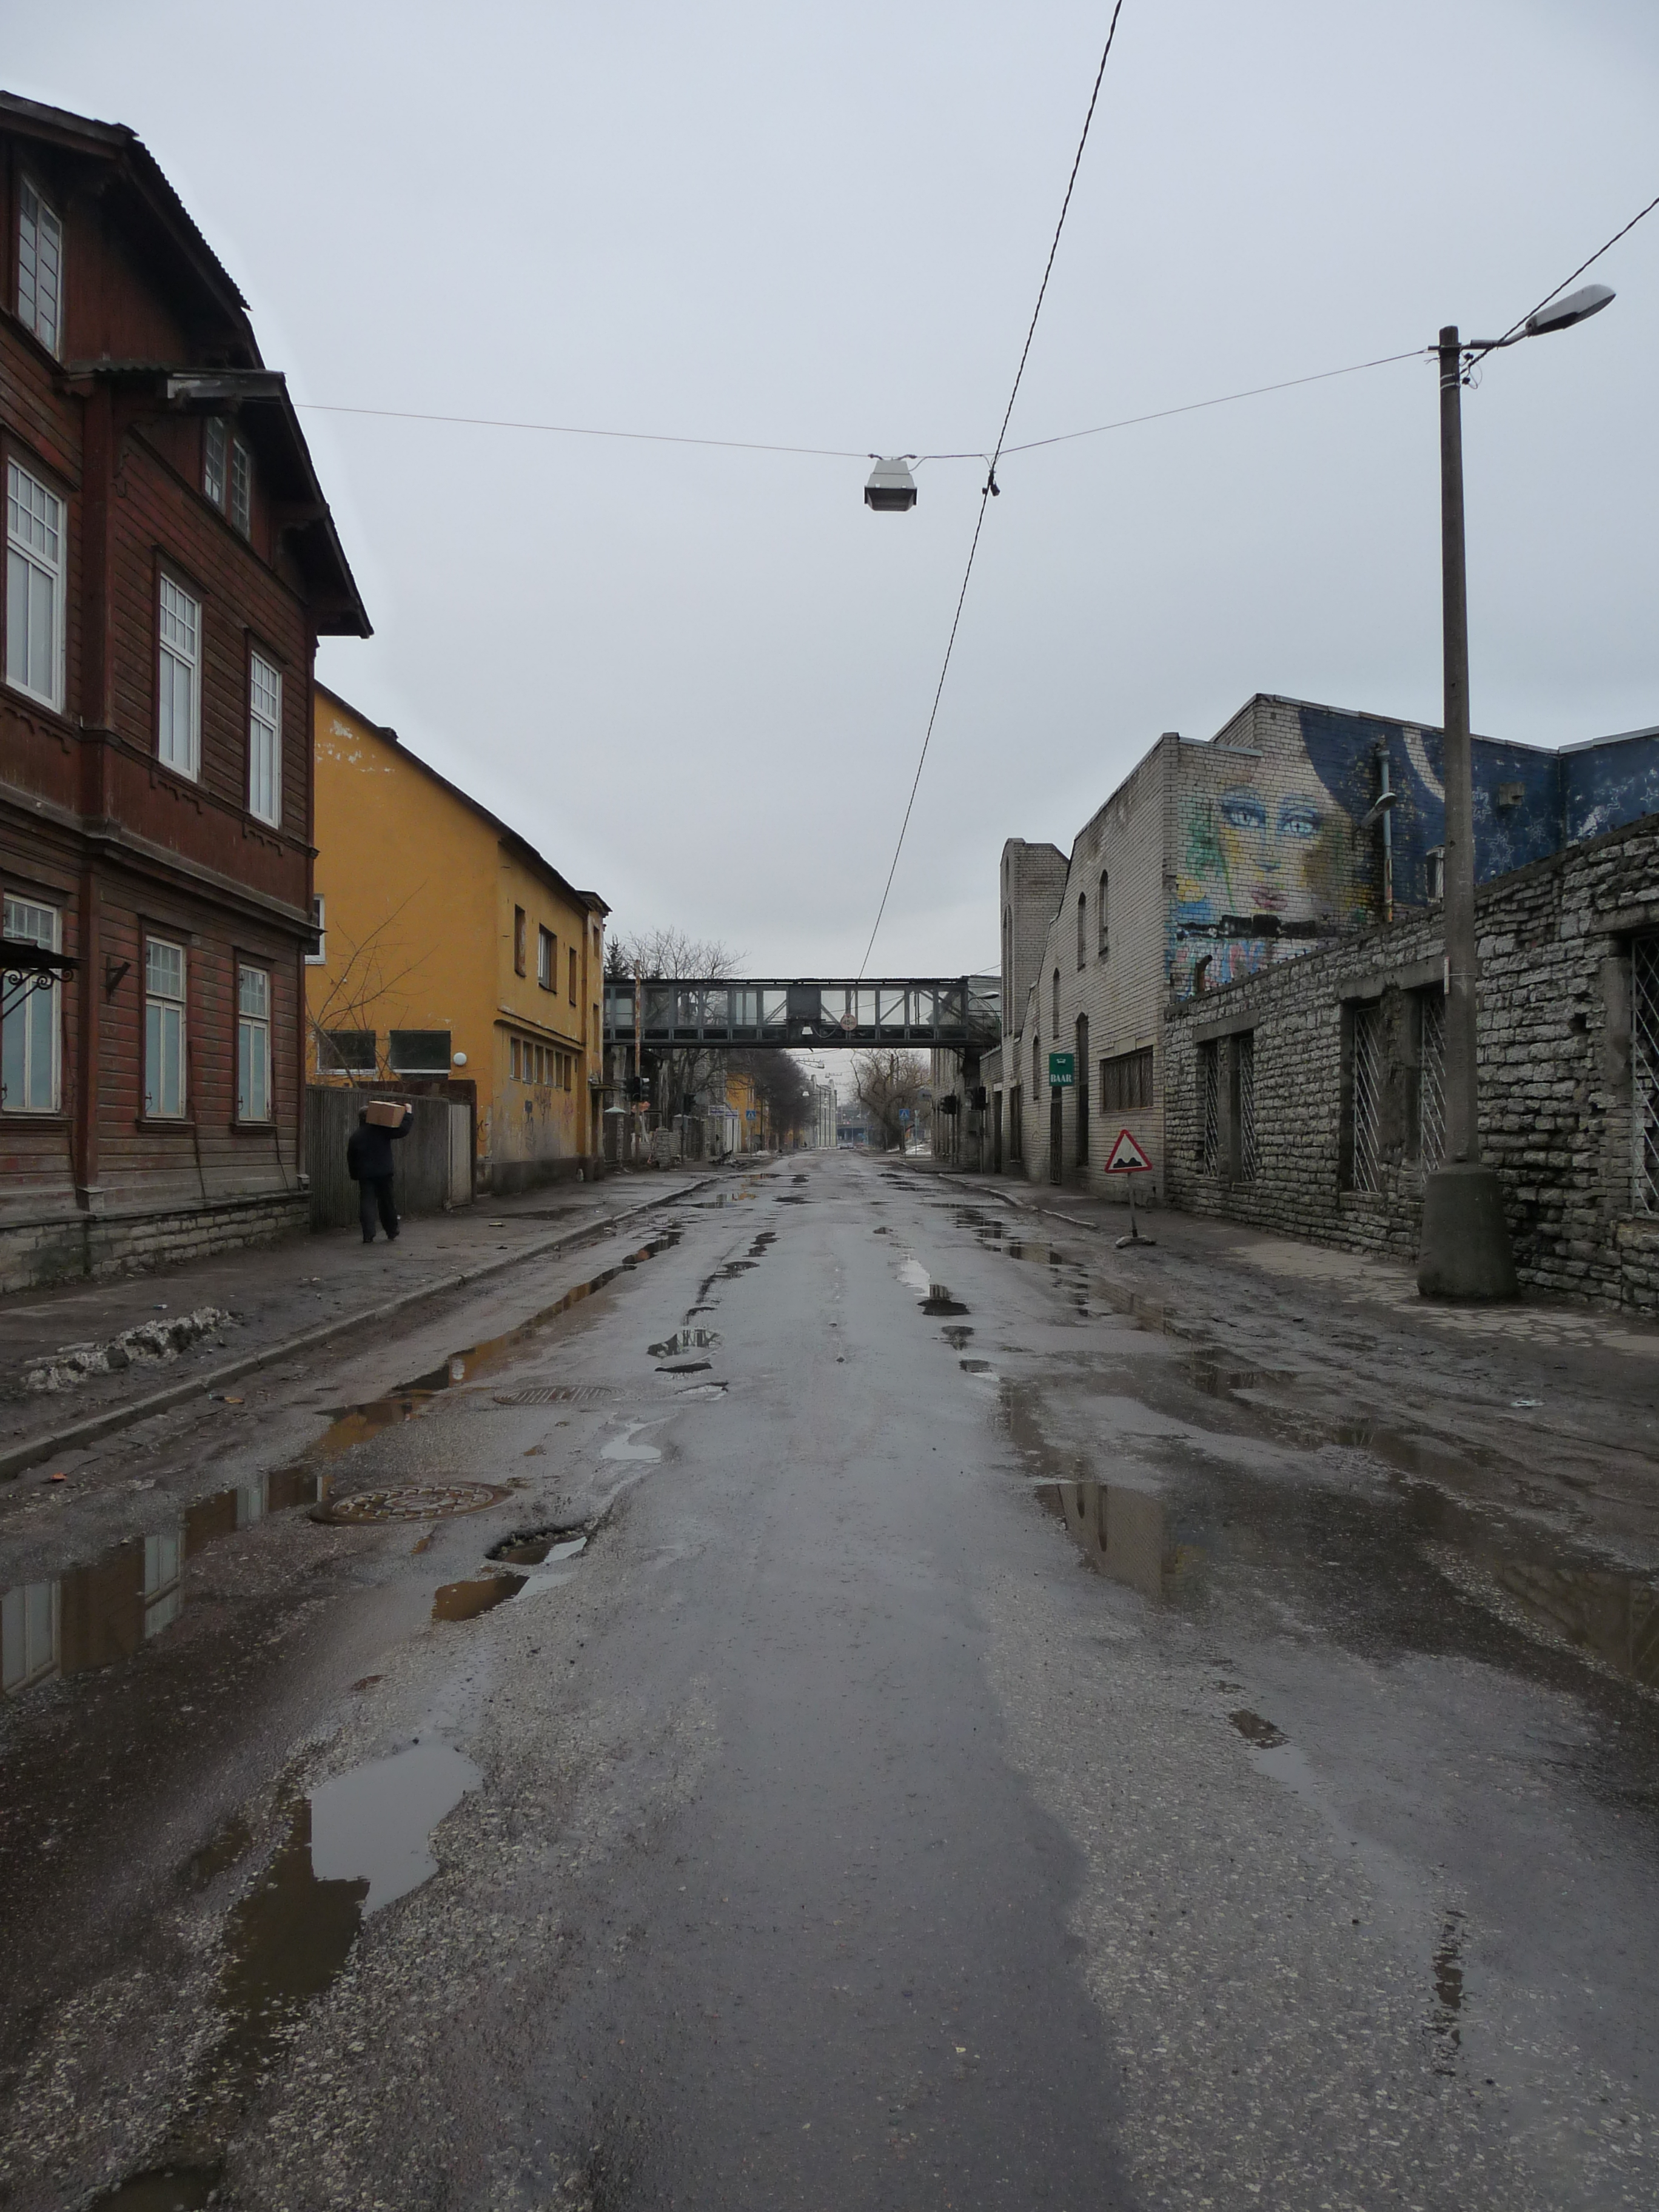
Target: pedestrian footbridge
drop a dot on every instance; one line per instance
(962, 1013)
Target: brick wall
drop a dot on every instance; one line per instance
(66, 1250)
(1555, 1074)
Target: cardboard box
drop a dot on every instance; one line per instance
(385, 1113)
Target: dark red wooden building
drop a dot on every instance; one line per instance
(170, 564)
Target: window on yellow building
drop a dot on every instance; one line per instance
(573, 975)
(547, 960)
(518, 927)
(513, 1055)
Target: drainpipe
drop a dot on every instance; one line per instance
(1388, 838)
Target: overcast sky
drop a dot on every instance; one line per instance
(698, 680)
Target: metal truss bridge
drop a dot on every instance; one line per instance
(961, 1014)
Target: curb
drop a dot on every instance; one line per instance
(35, 1449)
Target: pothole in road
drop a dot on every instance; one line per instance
(1257, 1731)
(939, 1301)
(418, 1501)
(164, 2189)
(466, 1601)
(956, 1335)
(685, 1339)
(975, 1366)
(531, 1547)
(686, 1367)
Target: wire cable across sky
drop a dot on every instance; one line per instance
(990, 486)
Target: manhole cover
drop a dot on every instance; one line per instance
(422, 1501)
(554, 1393)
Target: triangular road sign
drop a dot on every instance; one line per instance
(1126, 1156)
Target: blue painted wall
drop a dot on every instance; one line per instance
(1527, 802)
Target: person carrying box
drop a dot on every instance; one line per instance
(369, 1161)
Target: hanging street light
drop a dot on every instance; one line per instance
(891, 488)
(1465, 1251)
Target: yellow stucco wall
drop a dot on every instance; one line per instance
(420, 897)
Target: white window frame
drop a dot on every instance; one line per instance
(37, 216)
(34, 1026)
(264, 739)
(239, 502)
(547, 959)
(36, 519)
(252, 1042)
(165, 1036)
(319, 923)
(179, 661)
(216, 461)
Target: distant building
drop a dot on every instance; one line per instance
(452, 957)
(824, 1116)
(171, 562)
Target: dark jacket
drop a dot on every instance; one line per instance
(368, 1148)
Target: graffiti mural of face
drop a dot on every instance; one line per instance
(1271, 851)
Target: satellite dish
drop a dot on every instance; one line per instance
(891, 488)
(1562, 314)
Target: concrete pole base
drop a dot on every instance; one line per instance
(1465, 1252)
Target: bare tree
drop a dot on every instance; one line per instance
(670, 956)
(889, 1083)
(353, 993)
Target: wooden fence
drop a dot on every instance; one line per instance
(432, 1166)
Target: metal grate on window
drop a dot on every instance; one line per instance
(1431, 1082)
(1644, 1073)
(419, 1052)
(350, 1052)
(1209, 1108)
(1367, 1096)
(1245, 1047)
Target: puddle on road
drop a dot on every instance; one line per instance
(97, 1614)
(466, 1601)
(683, 1340)
(1126, 1533)
(623, 1447)
(164, 2189)
(529, 1547)
(956, 1335)
(1257, 1731)
(1448, 1968)
(373, 1823)
(939, 1300)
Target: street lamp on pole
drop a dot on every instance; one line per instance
(1465, 1249)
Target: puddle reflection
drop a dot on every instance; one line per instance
(1125, 1534)
(97, 1614)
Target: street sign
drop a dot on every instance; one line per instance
(1126, 1156)
(1063, 1071)
(904, 1113)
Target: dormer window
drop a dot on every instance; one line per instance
(241, 486)
(214, 459)
(39, 267)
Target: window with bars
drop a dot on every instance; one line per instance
(1431, 1081)
(34, 587)
(1365, 1100)
(350, 1052)
(1644, 1073)
(32, 1026)
(39, 265)
(1209, 1108)
(164, 1030)
(253, 1045)
(418, 1052)
(179, 719)
(264, 740)
(1244, 1103)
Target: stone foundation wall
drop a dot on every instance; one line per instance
(71, 1247)
(1554, 1072)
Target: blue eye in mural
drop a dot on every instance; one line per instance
(1297, 818)
(1242, 810)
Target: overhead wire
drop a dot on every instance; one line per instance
(581, 430)
(991, 478)
(1479, 353)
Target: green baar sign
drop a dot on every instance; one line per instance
(1063, 1071)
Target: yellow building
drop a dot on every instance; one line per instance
(748, 1113)
(450, 954)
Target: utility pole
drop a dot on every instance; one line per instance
(1465, 1251)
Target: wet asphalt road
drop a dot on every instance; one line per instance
(986, 1754)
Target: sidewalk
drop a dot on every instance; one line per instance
(274, 1297)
